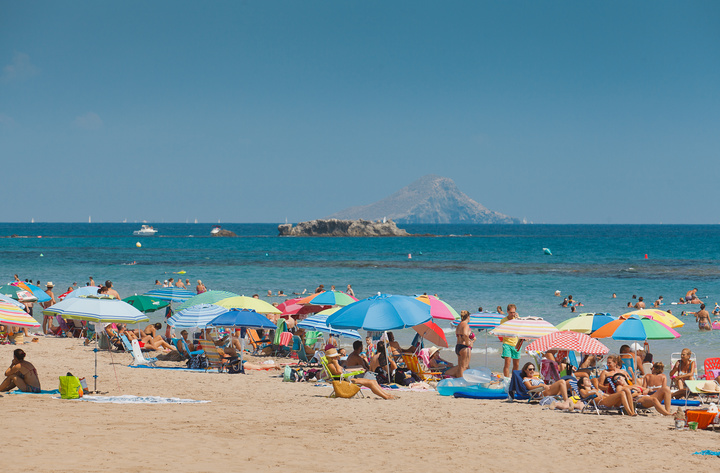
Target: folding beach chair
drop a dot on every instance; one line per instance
(215, 360)
(256, 342)
(413, 364)
(282, 345)
(549, 370)
(312, 337)
(518, 390)
(693, 386)
(711, 368)
(339, 377)
(138, 358)
(186, 349)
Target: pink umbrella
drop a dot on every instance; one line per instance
(438, 309)
(291, 307)
(432, 332)
(568, 340)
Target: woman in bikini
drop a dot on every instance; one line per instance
(614, 367)
(682, 370)
(620, 398)
(558, 387)
(463, 347)
(649, 396)
(21, 374)
(335, 369)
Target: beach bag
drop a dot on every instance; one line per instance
(293, 375)
(235, 367)
(344, 389)
(70, 387)
(198, 362)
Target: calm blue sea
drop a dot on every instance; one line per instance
(468, 266)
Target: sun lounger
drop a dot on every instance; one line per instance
(256, 342)
(694, 386)
(215, 360)
(339, 377)
(413, 364)
(186, 349)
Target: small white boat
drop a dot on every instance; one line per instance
(215, 229)
(145, 230)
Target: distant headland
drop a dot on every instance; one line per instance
(343, 228)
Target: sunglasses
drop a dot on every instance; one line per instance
(531, 369)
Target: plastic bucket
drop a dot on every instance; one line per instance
(693, 425)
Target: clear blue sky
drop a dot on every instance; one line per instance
(561, 112)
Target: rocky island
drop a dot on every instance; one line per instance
(335, 227)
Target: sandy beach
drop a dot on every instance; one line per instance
(257, 422)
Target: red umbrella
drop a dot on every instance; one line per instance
(568, 340)
(291, 307)
(432, 332)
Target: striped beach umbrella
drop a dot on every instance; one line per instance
(585, 323)
(483, 320)
(249, 303)
(328, 298)
(173, 294)
(97, 309)
(656, 314)
(319, 322)
(81, 291)
(207, 297)
(439, 309)
(15, 316)
(196, 316)
(10, 300)
(527, 328)
(568, 340)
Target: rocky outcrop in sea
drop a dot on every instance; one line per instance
(342, 228)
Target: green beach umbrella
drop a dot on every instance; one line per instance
(18, 293)
(145, 303)
(208, 297)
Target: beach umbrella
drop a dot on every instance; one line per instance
(328, 298)
(13, 315)
(249, 303)
(527, 328)
(656, 314)
(294, 307)
(207, 297)
(319, 322)
(196, 316)
(173, 294)
(97, 309)
(145, 303)
(585, 323)
(18, 293)
(568, 340)
(483, 321)
(438, 309)
(10, 300)
(81, 291)
(33, 289)
(242, 319)
(432, 332)
(381, 313)
(635, 329)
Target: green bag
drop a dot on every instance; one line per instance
(70, 387)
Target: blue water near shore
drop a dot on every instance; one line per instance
(466, 265)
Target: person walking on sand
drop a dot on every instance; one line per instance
(47, 319)
(511, 345)
(21, 374)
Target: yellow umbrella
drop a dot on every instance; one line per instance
(656, 314)
(249, 303)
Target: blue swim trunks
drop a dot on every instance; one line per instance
(509, 351)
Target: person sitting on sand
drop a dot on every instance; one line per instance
(621, 398)
(614, 366)
(21, 374)
(683, 370)
(332, 357)
(558, 387)
(356, 358)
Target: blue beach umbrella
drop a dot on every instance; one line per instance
(242, 319)
(83, 291)
(173, 294)
(196, 316)
(319, 322)
(381, 313)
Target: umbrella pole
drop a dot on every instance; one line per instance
(96, 352)
(387, 356)
(486, 348)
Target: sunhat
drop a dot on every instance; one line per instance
(636, 346)
(331, 353)
(709, 387)
(433, 350)
(50, 284)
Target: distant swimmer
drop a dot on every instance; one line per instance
(614, 296)
(658, 302)
(703, 318)
(640, 304)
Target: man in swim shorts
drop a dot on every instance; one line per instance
(703, 318)
(21, 374)
(511, 345)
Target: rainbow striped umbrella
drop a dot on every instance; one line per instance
(328, 298)
(568, 340)
(529, 327)
(483, 320)
(657, 315)
(13, 315)
(635, 329)
(439, 309)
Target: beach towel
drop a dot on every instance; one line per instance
(129, 399)
(50, 391)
